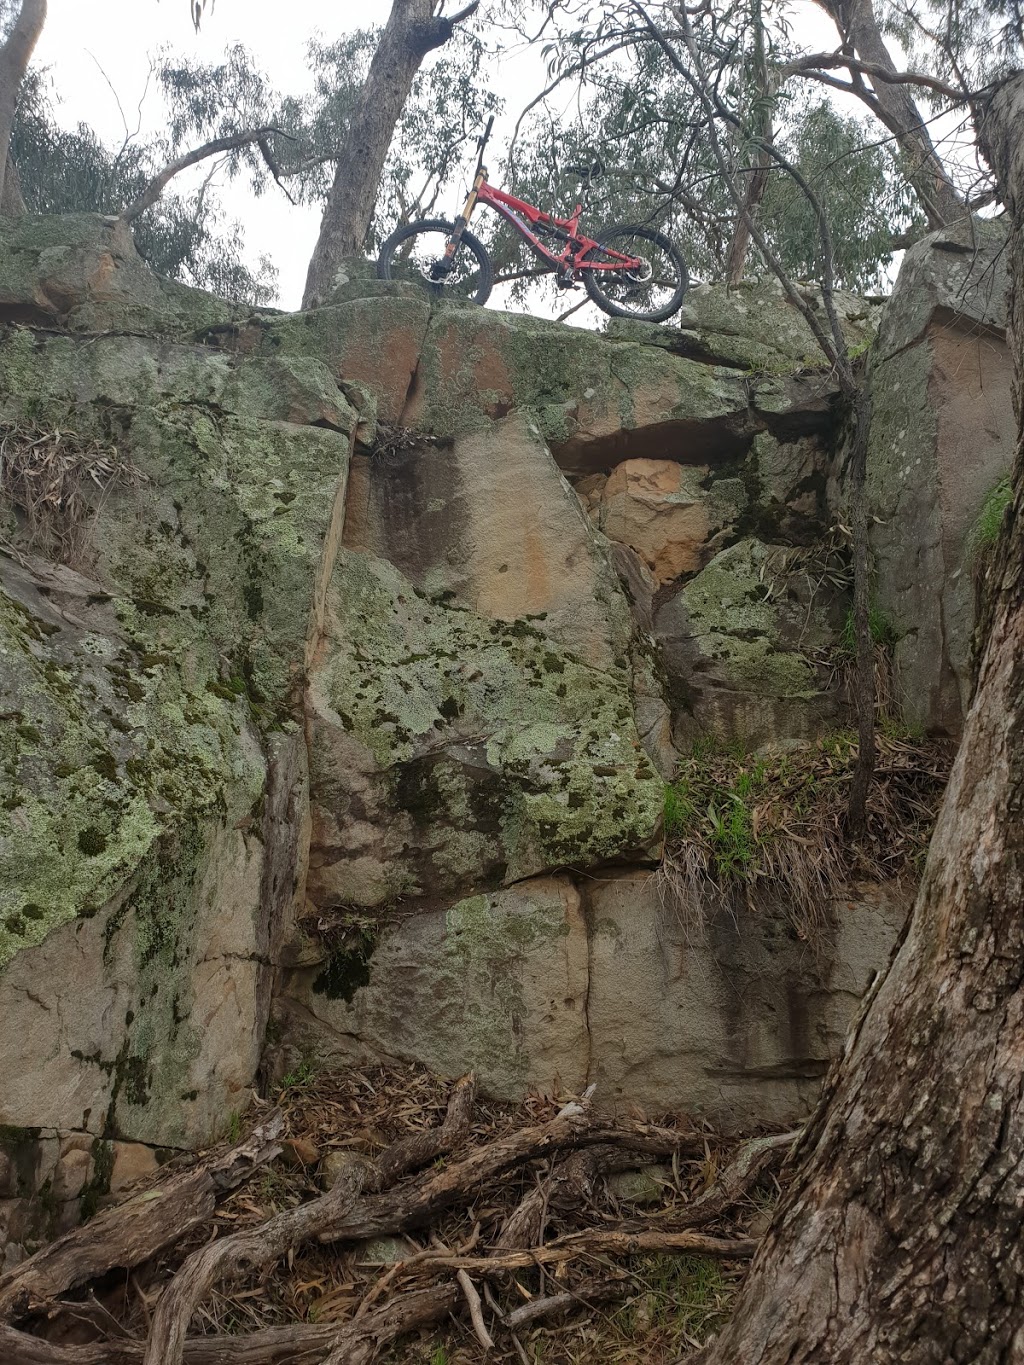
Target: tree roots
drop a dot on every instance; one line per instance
(515, 1221)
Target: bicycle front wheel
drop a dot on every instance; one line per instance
(416, 251)
(650, 292)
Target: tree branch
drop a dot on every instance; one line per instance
(159, 183)
(829, 61)
(435, 33)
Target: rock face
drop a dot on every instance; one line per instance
(554, 984)
(352, 696)
(942, 439)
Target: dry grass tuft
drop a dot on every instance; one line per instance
(57, 477)
(767, 831)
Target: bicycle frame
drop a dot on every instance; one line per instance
(524, 217)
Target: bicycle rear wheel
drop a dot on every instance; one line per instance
(415, 251)
(650, 293)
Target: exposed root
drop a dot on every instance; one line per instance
(519, 1235)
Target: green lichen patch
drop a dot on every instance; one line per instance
(736, 625)
(82, 269)
(496, 752)
(476, 366)
(74, 823)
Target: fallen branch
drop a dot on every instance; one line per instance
(598, 1291)
(416, 1203)
(476, 1312)
(354, 1343)
(591, 1243)
(132, 1232)
(569, 1186)
(253, 1249)
(742, 1173)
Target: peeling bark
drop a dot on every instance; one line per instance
(901, 1240)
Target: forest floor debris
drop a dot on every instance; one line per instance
(382, 1213)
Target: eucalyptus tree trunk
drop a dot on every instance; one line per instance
(756, 178)
(897, 109)
(15, 55)
(411, 32)
(902, 1239)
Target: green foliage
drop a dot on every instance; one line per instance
(770, 826)
(972, 43)
(447, 106)
(985, 531)
(883, 632)
(698, 805)
(867, 202)
(637, 115)
(305, 1072)
(184, 236)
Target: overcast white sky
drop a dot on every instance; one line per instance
(118, 36)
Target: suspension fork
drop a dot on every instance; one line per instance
(462, 222)
(444, 265)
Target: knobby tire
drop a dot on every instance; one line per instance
(592, 279)
(386, 259)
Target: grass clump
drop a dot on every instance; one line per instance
(884, 634)
(768, 830)
(681, 1300)
(985, 531)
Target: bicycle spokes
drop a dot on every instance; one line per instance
(646, 287)
(421, 258)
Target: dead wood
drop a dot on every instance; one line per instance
(253, 1249)
(619, 1242)
(569, 1186)
(596, 1291)
(496, 1253)
(414, 1204)
(301, 1344)
(476, 1310)
(742, 1173)
(132, 1232)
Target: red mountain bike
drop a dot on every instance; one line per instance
(632, 271)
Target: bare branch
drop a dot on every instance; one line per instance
(476, 1312)
(830, 61)
(158, 184)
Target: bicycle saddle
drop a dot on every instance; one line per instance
(590, 172)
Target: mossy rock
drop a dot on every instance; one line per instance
(83, 272)
(737, 644)
(468, 752)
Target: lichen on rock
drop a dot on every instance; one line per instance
(449, 749)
